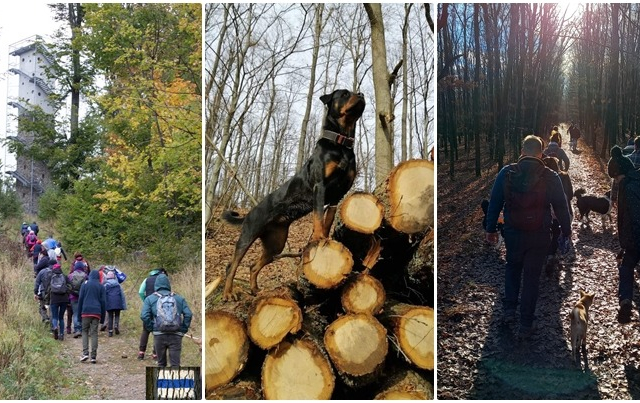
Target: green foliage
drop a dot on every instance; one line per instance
(49, 204)
(10, 206)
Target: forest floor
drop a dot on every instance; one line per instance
(219, 247)
(478, 357)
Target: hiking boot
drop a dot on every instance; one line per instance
(68, 330)
(624, 313)
(110, 333)
(93, 360)
(84, 358)
(103, 327)
(77, 334)
(61, 336)
(117, 330)
(141, 355)
(55, 334)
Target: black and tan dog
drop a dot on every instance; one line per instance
(323, 180)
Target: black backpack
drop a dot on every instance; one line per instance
(525, 198)
(58, 283)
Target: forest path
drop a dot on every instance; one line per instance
(478, 357)
(117, 374)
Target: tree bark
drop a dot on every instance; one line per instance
(384, 113)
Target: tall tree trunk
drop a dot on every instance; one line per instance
(476, 91)
(384, 114)
(312, 81)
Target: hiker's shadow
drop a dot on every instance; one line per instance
(576, 152)
(633, 381)
(539, 367)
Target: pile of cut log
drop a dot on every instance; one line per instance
(358, 323)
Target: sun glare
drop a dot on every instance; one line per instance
(570, 11)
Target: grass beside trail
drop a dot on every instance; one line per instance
(31, 363)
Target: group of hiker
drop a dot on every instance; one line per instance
(534, 197)
(94, 299)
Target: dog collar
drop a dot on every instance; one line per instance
(338, 138)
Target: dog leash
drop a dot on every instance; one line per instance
(338, 138)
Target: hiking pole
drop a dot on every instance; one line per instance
(196, 340)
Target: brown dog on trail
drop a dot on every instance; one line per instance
(579, 320)
(323, 180)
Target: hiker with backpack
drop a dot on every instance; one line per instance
(77, 277)
(169, 317)
(526, 191)
(147, 287)
(555, 150)
(116, 301)
(91, 311)
(59, 299)
(41, 287)
(35, 228)
(37, 249)
(29, 242)
(621, 169)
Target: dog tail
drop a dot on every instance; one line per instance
(232, 217)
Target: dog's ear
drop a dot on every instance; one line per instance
(326, 98)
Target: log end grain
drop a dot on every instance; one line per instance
(363, 294)
(297, 371)
(411, 196)
(357, 344)
(362, 212)
(226, 348)
(271, 318)
(326, 263)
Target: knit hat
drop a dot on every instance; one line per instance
(618, 164)
(56, 266)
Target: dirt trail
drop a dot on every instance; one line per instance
(118, 374)
(478, 357)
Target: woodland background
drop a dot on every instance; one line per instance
(507, 70)
(266, 65)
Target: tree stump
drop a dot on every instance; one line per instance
(226, 348)
(363, 294)
(409, 196)
(406, 385)
(297, 371)
(326, 263)
(272, 316)
(357, 345)
(413, 329)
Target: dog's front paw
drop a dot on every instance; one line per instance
(229, 296)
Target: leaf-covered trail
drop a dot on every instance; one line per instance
(478, 357)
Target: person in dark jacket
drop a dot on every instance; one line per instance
(116, 302)
(552, 163)
(526, 249)
(37, 249)
(621, 169)
(58, 303)
(78, 266)
(554, 150)
(41, 287)
(91, 311)
(147, 287)
(166, 342)
(43, 261)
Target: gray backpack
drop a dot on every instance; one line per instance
(167, 316)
